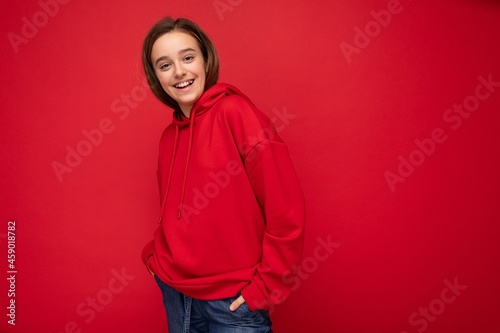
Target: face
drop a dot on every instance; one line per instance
(180, 68)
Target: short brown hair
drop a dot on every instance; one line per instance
(207, 48)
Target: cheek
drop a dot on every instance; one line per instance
(164, 79)
(203, 76)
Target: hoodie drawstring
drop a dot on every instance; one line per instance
(190, 145)
(176, 138)
(183, 191)
(206, 101)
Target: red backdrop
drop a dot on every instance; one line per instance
(391, 113)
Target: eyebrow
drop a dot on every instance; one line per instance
(180, 52)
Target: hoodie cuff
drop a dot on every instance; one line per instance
(254, 298)
(147, 252)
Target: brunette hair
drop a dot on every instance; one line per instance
(169, 24)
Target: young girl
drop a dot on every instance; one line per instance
(231, 223)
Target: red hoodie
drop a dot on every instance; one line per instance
(232, 215)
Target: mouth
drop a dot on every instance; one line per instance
(184, 84)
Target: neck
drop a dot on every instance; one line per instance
(186, 110)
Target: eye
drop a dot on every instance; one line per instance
(188, 58)
(164, 66)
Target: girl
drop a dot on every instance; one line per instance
(232, 211)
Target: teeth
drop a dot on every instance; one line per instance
(184, 84)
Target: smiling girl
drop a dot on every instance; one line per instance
(231, 223)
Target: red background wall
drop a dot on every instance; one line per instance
(351, 119)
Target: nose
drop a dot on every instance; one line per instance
(179, 71)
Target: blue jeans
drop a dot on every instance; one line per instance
(191, 315)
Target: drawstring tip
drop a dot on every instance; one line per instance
(180, 212)
(159, 220)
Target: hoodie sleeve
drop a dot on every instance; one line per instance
(276, 187)
(147, 252)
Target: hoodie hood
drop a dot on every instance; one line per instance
(209, 98)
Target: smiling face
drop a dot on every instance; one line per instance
(180, 68)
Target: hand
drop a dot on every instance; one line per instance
(147, 266)
(236, 304)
